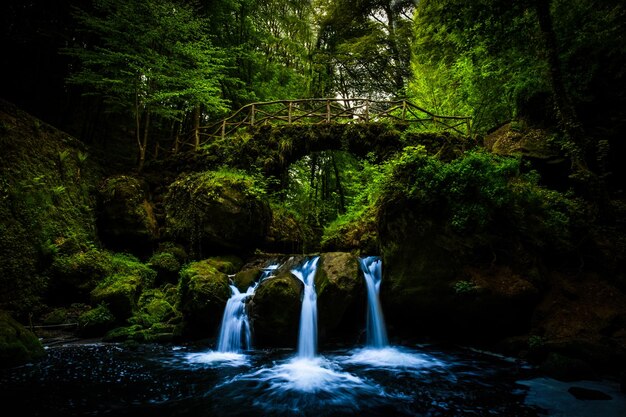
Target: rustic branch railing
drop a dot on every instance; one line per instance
(329, 110)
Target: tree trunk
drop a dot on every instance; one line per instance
(395, 53)
(565, 111)
(342, 197)
(138, 128)
(196, 127)
(144, 142)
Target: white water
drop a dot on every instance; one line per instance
(393, 359)
(235, 333)
(218, 358)
(376, 332)
(307, 338)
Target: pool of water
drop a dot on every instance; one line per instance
(158, 380)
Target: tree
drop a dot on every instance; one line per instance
(365, 47)
(476, 58)
(149, 60)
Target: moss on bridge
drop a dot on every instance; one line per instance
(272, 148)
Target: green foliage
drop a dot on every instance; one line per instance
(536, 342)
(464, 287)
(153, 307)
(476, 59)
(363, 48)
(95, 321)
(481, 194)
(354, 230)
(151, 61)
(321, 185)
(44, 214)
(289, 231)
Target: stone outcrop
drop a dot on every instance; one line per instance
(216, 212)
(340, 295)
(275, 310)
(126, 220)
(18, 345)
(204, 290)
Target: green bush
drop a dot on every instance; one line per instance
(96, 321)
(480, 194)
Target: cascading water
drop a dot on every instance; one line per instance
(376, 332)
(235, 327)
(235, 332)
(307, 338)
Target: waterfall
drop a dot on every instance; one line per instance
(235, 327)
(307, 339)
(376, 332)
(235, 332)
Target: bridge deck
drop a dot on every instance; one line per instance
(329, 110)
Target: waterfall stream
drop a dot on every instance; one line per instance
(307, 338)
(376, 332)
(235, 333)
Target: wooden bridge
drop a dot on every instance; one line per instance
(317, 111)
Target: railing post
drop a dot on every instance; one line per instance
(403, 110)
(223, 129)
(289, 114)
(367, 110)
(468, 125)
(327, 111)
(252, 115)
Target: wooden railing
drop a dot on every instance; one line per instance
(329, 110)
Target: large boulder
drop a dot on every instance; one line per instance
(340, 295)
(120, 290)
(204, 290)
(217, 212)
(464, 244)
(288, 232)
(582, 318)
(126, 220)
(18, 345)
(275, 310)
(532, 144)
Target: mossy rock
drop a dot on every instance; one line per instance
(126, 220)
(96, 322)
(275, 310)
(288, 233)
(74, 276)
(120, 293)
(166, 266)
(158, 333)
(246, 278)
(340, 293)
(122, 334)
(46, 205)
(18, 345)
(175, 249)
(121, 290)
(204, 290)
(56, 316)
(154, 307)
(217, 211)
(228, 264)
(355, 233)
